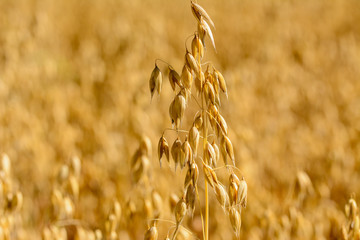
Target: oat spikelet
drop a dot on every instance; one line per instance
(198, 121)
(209, 92)
(210, 154)
(186, 77)
(176, 151)
(221, 195)
(199, 82)
(217, 154)
(151, 233)
(197, 47)
(155, 81)
(222, 124)
(221, 81)
(194, 137)
(242, 193)
(188, 179)
(210, 175)
(233, 192)
(174, 78)
(227, 149)
(235, 219)
(180, 212)
(194, 173)
(192, 63)
(190, 199)
(186, 152)
(199, 12)
(177, 109)
(203, 25)
(163, 148)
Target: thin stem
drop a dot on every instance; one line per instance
(187, 40)
(176, 130)
(201, 215)
(158, 59)
(204, 144)
(193, 97)
(229, 166)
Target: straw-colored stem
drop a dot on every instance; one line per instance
(204, 145)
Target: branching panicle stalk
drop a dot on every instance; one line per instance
(208, 85)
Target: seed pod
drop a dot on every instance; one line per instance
(217, 154)
(194, 173)
(210, 175)
(69, 207)
(242, 193)
(174, 78)
(190, 199)
(155, 81)
(199, 81)
(186, 77)
(227, 149)
(187, 153)
(235, 219)
(205, 27)
(156, 202)
(180, 211)
(117, 210)
(130, 209)
(199, 12)
(135, 159)
(222, 123)
(188, 179)
(185, 93)
(75, 166)
(212, 113)
(209, 93)
(148, 208)
(213, 110)
(145, 145)
(197, 47)
(221, 195)
(352, 209)
(110, 223)
(176, 152)
(207, 74)
(177, 109)
(63, 174)
(194, 137)
(234, 178)
(163, 147)
(141, 169)
(173, 200)
(209, 154)
(151, 233)
(233, 192)
(18, 201)
(303, 184)
(216, 86)
(98, 234)
(191, 63)
(221, 80)
(73, 187)
(198, 121)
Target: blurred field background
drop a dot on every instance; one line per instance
(74, 82)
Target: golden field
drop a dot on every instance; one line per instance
(74, 82)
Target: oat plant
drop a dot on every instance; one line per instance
(201, 85)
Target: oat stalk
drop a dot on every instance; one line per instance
(186, 152)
